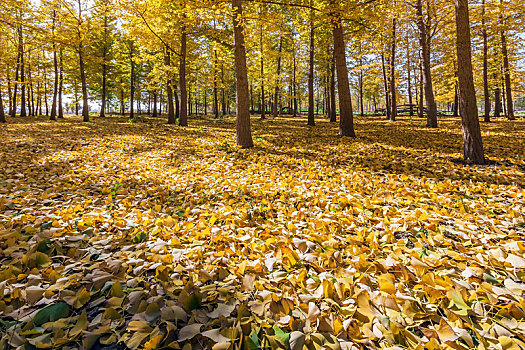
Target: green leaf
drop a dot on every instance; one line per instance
(51, 313)
(192, 302)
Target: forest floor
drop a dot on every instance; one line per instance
(116, 234)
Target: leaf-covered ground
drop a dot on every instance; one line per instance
(116, 234)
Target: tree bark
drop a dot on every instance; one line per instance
(346, 120)
(277, 97)
(169, 89)
(486, 95)
(17, 69)
(244, 135)
(393, 100)
(506, 72)
(409, 79)
(311, 92)
(2, 114)
(388, 109)
(472, 143)
(183, 116)
(263, 95)
(497, 100)
(22, 74)
(333, 107)
(215, 90)
(132, 82)
(61, 86)
(424, 42)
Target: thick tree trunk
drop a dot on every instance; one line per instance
(486, 95)
(472, 143)
(393, 101)
(169, 89)
(311, 92)
(346, 120)
(244, 135)
(183, 116)
(424, 42)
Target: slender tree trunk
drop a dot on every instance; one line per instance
(346, 120)
(2, 114)
(409, 79)
(61, 87)
(215, 92)
(263, 95)
(17, 69)
(169, 89)
(311, 92)
(155, 111)
(393, 101)
(183, 117)
(472, 143)
(177, 102)
(22, 75)
(486, 95)
(388, 110)
(122, 108)
(420, 111)
(361, 93)
(277, 97)
(333, 107)
(294, 81)
(132, 82)
(497, 99)
(244, 135)
(103, 97)
(223, 92)
(455, 112)
(10, 94)
(506, 72)
(424, 42)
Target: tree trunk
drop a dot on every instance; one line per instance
(2, 114)
(486, 95)
(263, 95)
(409, 79)
(169, 89)
(333, 107)
(132, 82)
(277, 97)
(294, 81)
(177, 103)
(420, 112)
(497, 99)
(155, 112)
(393, 101)
(61, 87)
(22, 75)
(215, 92)
(424, 42)
(183, 116)
(506, 72)
(361, 93)
(311, 115)
(346, 119)
(17, 69)
(388, 109)
(244, 135)
(472, 143)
